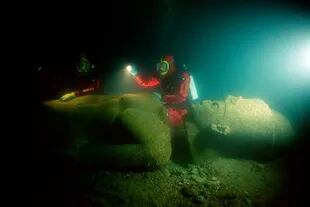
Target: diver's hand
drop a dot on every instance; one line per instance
(68, 96)
(132, 70)
(157, 96)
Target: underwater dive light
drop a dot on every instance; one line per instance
(129, 68)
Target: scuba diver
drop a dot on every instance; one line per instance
(174, 94)
(86, 80)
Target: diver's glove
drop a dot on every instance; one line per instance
(132, 70)
(159, 98)
(68, 96)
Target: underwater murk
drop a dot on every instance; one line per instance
(215, 113)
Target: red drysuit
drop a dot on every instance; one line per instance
(174, 90)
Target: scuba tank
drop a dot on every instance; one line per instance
(192, 86)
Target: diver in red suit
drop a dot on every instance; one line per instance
(174, 91)
(86, 80)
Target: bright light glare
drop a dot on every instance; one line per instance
(298, 65)
(305, 57)
(129, 68)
